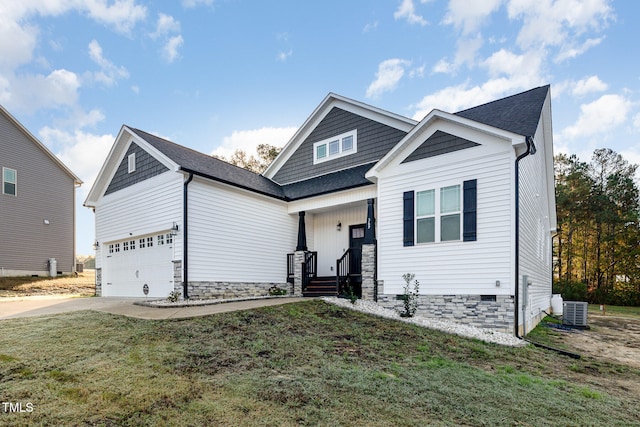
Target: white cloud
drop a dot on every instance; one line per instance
(407, 11)
(371, 26)
(123, 15)
(569, 51)
(32, 92)
(600, 116)
(469, 15)
(170, 49)
(557, 22)
(282, 56)
(389, 74)
(588, 85)
(194, 3)
(443, 66)
(636, 121)
(166, 25)
(16, 43)
(84, 153)
(109, 73)
(248, 140)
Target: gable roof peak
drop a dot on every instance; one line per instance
(519, 113)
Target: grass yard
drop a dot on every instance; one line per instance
(83, 284)
(307, 363)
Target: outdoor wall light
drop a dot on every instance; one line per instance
(174, 229)
(339, 226)
(46, 222)
(497, 283)
(96, 245)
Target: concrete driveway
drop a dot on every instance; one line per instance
(11, 308)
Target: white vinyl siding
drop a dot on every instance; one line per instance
(327, 240)
(237, 236)
(452, 267)
(142, 209)
(535, 235)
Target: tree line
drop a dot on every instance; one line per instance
(596, 245)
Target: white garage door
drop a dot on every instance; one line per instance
(133, 263)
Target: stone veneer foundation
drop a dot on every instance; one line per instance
(220, 290)
(464, 309)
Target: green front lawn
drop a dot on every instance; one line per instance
(308, 363)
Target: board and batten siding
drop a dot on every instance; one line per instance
(44, 192)
(146, 208)
(237, 236)
(448, 268)
(535, 235)
(328, 241)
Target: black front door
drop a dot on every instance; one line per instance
(356, 236)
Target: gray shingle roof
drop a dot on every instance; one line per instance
(210, 167)
(518, 113)
(329, 183)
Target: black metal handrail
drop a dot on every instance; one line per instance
(343, 268)
(309, 268)
(290, 267)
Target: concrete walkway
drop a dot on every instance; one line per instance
(11, 308)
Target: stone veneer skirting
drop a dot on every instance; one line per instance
(465, 309)
(224, 290)
(98, 282)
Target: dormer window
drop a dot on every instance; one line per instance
(333, 148)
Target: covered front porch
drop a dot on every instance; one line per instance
(335, 251)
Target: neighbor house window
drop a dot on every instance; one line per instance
(9, 181)
(438, 214)
(132, 162)
(333, 148)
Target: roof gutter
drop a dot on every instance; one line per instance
(531, 149)
(185, 237)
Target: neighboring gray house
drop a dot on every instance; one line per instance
(358, 195)
(37, 204)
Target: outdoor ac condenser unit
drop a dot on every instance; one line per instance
(574, 313)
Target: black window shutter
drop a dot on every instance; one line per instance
(469, 200)
(408, 218)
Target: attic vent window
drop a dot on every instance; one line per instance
(335, 147)
(132, 162)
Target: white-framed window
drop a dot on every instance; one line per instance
(110, 249)
(132, 245)
(149, 242)
(335, 147)
(142, 243)
(9, 181)
(116, 247)
(169, 238)
(438, 214)
(160, 239)
(125, 246)
(132, 162)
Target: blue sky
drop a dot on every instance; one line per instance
(216, 75)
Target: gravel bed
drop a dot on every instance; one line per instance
(468, 331)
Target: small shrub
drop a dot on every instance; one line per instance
(174, 296)
(410, 297)
(275, 290)
(349, 292)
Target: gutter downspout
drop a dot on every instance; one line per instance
(185, 234)
(531, 149)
